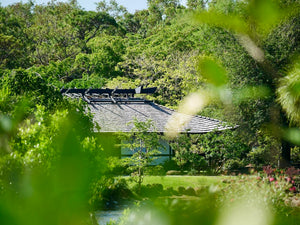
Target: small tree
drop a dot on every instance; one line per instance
(143, 142)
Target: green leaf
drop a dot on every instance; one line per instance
(213, 72)
(266, 13)
(231, 22)
(293, 135)
(251, 92)
(289, 93)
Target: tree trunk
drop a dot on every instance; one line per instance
(285, 154)
(286, 146)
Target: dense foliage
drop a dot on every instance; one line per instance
(44, 155)
(241, 55)
(218, 151)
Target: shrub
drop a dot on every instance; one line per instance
(195, 151)
(233, 165)
(170, 191)
(265, 152)
(198, 191)
(295, 155)
(181, 190)
(155, 170)
(271, 188)
(107, 192)
(190, 191)
(193, 172)
(149, 190)
(116, 167)
(170, 165)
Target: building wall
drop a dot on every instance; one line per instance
(164, 155)
(111, 145)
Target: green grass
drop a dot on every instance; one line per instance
(185, 181)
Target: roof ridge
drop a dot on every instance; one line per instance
(162, 106)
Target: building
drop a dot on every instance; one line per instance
(114, 109)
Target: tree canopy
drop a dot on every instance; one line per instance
(241, 53)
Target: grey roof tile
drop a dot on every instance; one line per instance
(115, 117)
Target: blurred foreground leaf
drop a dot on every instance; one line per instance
(213, 72)
(293, 135)
(231, 22)
(289, 93)
(249, 93)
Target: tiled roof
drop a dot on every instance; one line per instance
(114, 117)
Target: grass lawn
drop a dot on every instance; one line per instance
(185, 181)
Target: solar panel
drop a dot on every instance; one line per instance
(107, 94)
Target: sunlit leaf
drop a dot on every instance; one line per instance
(289, 93)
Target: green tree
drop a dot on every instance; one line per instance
(196, 4)
(143, 142)
(54, 39)
(24, 84)
(215, 149)
(188, 154)
(112, 8)
(15, 44)
(89, 24)
(162, 9)
(256, 34)
(10, 50)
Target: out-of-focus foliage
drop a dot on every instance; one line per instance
(48, 171)
(289, 94)
(47, 161)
